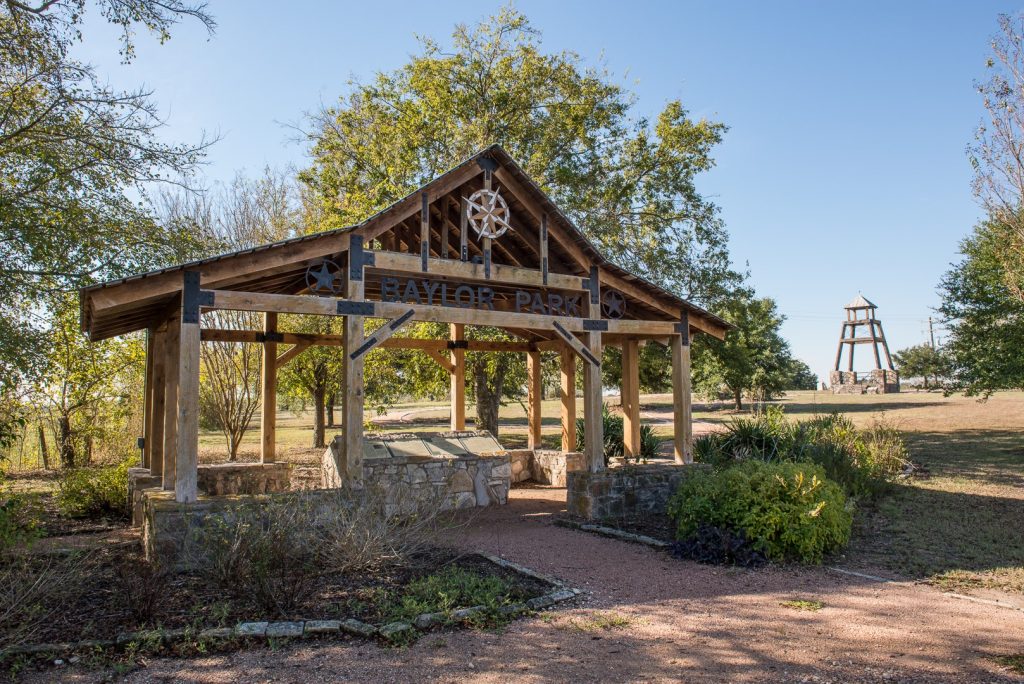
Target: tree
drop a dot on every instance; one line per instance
(245, 213)
(799, 376)
(921, 361)
(753, 359)
(77, 159)
(996, 154)
(84, 381)
(628, 182)
(985, 317)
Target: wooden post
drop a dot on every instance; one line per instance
(352, 367)
(268, 411)
(425, 231)
(593, 428)
(147, 402)
(682, 411)
(533, 401)
(631, 398)
(458, 378)
(186, 469)
(171, 344)
(155, 438)
(568, 396)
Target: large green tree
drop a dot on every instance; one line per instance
(921, 361)
(77, 162)
(753, 360)
(628, 182)
(985, 317)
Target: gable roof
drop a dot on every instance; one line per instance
(140, 301)
(860, 302)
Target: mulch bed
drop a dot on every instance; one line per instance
(97, 606)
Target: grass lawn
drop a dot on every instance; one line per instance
(958, 524)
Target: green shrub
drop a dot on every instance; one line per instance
(450, 589)
(863, 462)
(613, 426)
(19, 519)
(95, 492)
(789, 511)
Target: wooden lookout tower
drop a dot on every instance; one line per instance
(860, 313)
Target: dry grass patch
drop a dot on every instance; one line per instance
(601, 621)
(808, 605)
(1014, 663)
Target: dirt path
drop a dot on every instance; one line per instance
(678, 621)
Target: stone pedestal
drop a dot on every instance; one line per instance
(879, 381)
(626, 491)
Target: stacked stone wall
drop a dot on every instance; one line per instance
(626, 491)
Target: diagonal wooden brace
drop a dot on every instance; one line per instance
(287, 356)
(441, 358)
(382, 333)
(577, 346)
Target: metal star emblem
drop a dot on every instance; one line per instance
(321, 279)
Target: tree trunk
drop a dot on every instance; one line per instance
(488, 398)
(65, 440)
(44, 452)
(318, 416)
(737, 396)
(330, 413)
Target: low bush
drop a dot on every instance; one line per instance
(862, 461)
(613, 430)
(788, 511)
(95, 492)
(275, 549)
(451, 589)
(19, 519)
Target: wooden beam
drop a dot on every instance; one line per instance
(408, 264)
(458, 378)
(331, 340)
(682, 410)
(630, 398)
(147, 401)
(186, 474)
(352, 369)
(159, 378)
(544, 247)
(172, 357)
(593, 433)
(300, 304)
(283, 360)
(568, 398)
(441, 358)
(268, 409)
(424, 231)
(381, 334)
(533, 400)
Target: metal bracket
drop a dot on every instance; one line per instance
(350, 308)
(487, 164)
(577, 346)
(458, 344)
(356, 257)
(270, 337)
(595, 324)
(192, 297)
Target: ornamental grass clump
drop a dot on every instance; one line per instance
(787, 511)
(862, 461)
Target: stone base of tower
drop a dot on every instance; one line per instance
(876, 382)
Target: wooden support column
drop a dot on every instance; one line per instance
(568, 396)
(458, 378)
(631, 398)
(155, 437)
(593, 429)
(268, 410)
(171, 344)
(352, 366)
(533, 400)
(682, 411)
(186, 474)
(147, 402)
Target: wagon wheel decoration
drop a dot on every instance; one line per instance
(613, 304)
(324, 279)
(488, 213)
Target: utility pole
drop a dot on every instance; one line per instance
(931, 332)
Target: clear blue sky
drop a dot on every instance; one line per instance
(844, 168)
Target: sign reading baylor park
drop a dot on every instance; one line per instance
(441, 293)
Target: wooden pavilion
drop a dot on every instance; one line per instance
(479, 245)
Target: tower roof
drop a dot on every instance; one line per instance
(860, 302)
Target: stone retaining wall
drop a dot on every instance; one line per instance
(469, 480)
(219, 479)
(625, 491)
(544, 466)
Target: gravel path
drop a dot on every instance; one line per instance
(667, 620)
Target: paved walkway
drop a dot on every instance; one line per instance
(676, 621)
